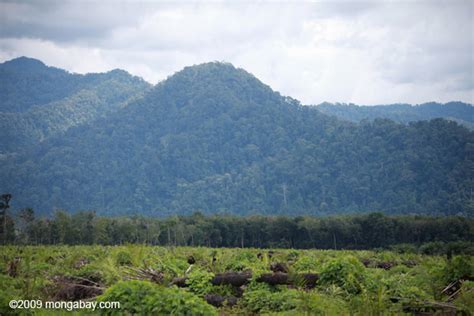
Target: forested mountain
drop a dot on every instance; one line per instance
(214, 138)
(460, 112)
(37, 101)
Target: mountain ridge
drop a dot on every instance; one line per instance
(87, 97)
(219, 140)
(28, 82)
(460, 112)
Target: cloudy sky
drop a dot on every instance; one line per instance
(337, 51)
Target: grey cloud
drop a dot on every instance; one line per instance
(67, 21)
(347, 51)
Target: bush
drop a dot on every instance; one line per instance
(200, 282)
(306, 264)
(123, 258)
(242, 261)
(346, 272)
(8, 292)
(173, 301)
(145, 298)
(261, 299)
(404, 248)
(313, 303)
(460, 267)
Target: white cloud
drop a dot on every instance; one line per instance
(361, 52)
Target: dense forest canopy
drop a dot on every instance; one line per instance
(460, 112)
(38, 102)
(214, 138)
(27, 82)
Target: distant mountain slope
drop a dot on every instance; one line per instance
(214, 138)
(460, 112)
(27, 82)
(28, 85)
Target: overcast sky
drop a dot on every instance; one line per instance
(337, 51)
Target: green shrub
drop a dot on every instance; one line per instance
(460, 267)
(8, 291)
(173, 301)
(123, 258)
(132, 296)
(145, 298)
(346, 272)
(306, 264)
(404, 248)
(199, 282)
(313, 303)
(241, 261)
(263, 300)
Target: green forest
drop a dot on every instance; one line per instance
(39, 102)
(460, 112)
(213, 139)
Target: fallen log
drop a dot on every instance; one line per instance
(310, 280)
(368, 263)
(307, 280)
(279, 267)
(431, 308)
(76, 288)
(233, 278)
(278, 278)
(385, 265)
(179, 282)
(219, 301)
(237, 279)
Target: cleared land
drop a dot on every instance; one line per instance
(161, 280)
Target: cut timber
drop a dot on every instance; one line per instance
(232, 278)
(179, 282)
(237, 279)
(76, 288)
(431, 308)
(308, 280)
(278, 278)
(453, 290)
(218, 300)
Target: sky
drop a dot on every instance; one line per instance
(362, 52)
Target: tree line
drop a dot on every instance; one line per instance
(363, 231)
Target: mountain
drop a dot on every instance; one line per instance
(460, 112)
(214, 138)
(37, 102)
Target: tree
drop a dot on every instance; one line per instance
(4, 206)
(27, 215)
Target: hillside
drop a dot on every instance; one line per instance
(37, 102)
(460, 112)
(214, 138)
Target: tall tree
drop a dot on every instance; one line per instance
(7, 223)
